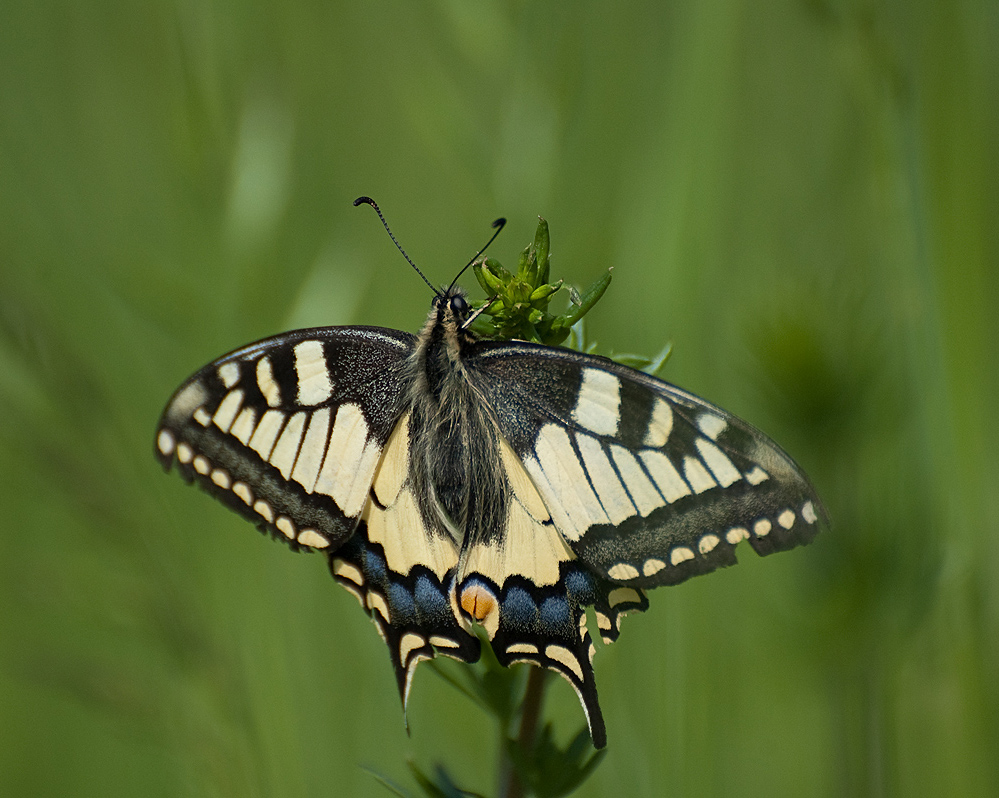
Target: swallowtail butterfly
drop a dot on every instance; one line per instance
(454, 481)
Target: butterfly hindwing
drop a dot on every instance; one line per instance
(649, 484)
(401, 569)
(289, 431)
(528, 591)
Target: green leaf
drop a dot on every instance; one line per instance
(587, 300)
(543, 292)
(550, 771)
(440, 785)
(650, 365)
(517, 307)
(495, 689)
(388, 784)
(542, 243)
(491, 276)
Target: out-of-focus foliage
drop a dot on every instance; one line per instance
(802, 197)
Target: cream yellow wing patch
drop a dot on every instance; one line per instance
(406, 541)
(394, 520)
(530, 545)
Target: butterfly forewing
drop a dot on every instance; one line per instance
(649, 484)
(289, 431)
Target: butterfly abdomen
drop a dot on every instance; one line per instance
(453, 436)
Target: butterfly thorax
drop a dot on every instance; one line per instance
(451, 431)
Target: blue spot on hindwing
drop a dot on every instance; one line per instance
(401, 604)
(580, 586)
(375, 567)
(431, 603)
(519, 609)
(555, 613)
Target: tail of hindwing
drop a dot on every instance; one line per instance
(410, 611)
(546, 626)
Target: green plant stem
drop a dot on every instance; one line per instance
(511, 785)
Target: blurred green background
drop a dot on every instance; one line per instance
(802, 196)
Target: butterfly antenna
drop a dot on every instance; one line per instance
(499, 224)
(373, 204)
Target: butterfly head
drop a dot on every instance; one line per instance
(450, 316)
(451, 306)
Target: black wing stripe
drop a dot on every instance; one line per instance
(263, 438)
(244, 425)
(697, 475)
(313, 450)
(604, 479)
(288, 445)
(661, 470)
(724, 472)
(278, 378)
(636, 480)
(227, 410)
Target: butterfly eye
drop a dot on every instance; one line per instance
(459, 307)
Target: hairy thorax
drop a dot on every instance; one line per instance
(452, 433)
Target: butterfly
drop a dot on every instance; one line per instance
(455, 482)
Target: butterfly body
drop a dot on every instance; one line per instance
(455, 482)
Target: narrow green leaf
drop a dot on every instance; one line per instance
(542, 245)
(440, 785)
(650, 365)
(544, 292)
(587, 300)
(391, 786)
(550, 771)
(491, 276)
